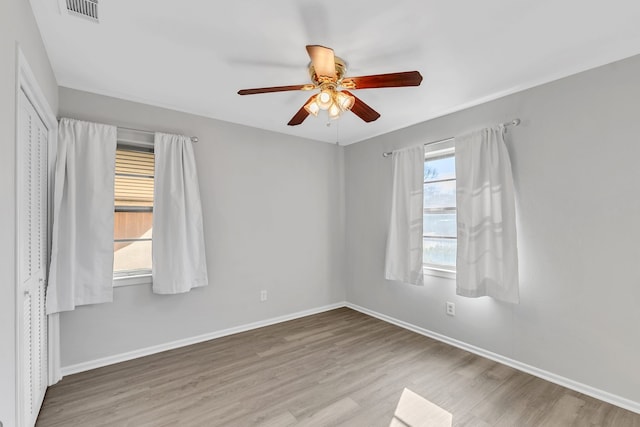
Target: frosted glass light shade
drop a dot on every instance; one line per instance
(344, 101)
(324, 99)
(312, 107)
(334, 111)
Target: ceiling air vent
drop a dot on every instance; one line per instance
(85, 8)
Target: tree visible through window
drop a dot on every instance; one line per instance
(133, 211)
(439, 217)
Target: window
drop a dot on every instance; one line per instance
(133, 218)
(439, 215)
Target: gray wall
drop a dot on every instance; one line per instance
(272, 217)
(17, 26)
(575, 165)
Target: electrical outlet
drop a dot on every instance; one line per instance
(450, 309)
(263, 295)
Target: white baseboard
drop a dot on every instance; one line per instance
(549, 376)
(123, 357)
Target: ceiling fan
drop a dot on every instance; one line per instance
(327, 74)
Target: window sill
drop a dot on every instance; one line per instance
(438, 272)
(138, 279)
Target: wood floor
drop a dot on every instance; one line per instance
(335, 368)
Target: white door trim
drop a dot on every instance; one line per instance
(27, 83)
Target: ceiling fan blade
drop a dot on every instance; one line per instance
(323, 60)
(407, 78)
(274, 89)
(362, 110)
(301, 114)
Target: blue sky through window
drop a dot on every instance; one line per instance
(443, 168)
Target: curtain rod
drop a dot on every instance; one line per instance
(194, 139)
(514, 122)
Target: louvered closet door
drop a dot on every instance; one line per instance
(32, 240)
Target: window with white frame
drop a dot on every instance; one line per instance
(439, 210)
(133, 218)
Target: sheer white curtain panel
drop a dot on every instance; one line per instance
(403, 261)
(82, 239)
(179, 263)
(487, 257)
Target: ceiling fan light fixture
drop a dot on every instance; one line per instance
(312, 107)
(344, 101)
(324, 99)
(334, 111)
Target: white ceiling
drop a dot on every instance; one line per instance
(194, 55)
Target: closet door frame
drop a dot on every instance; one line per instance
(27, 83)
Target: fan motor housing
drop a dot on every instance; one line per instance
(341, 69)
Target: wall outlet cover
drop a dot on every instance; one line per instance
(450, 308)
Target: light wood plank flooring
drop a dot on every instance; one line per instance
(335, 368)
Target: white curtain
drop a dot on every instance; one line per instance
(82, 240)
(403, 260)
(487, 259)
(179, 262)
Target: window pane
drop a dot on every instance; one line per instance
(439, 225)
(439, 251)
(133, 204)
(440, 194)
(132, 256)
(443, 168)
(132, 225)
